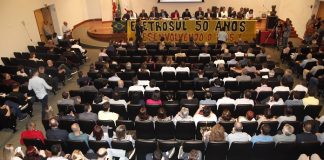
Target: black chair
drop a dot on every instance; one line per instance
(77, 144)
(167, 145)
(222, 107)
(164, 130)
(124, 145)
(286, 150)
(96, 108)
(143, 75)
(239, 151)
(171, 108)
(241, 109)
(34, 142)
(62, 108)
(296, 124)
(283, 94)
(232, 85)
(185, 130)
(216, 150)
(171, 85)
(88, 97)
(66, 124)
(96, 145)
(228, 126)
(144, 147)
(168, 75)
(144, 129)
(194, 144)
(313, 110)
(278, 110)
(263, 150)
(201, 125)
(298, 111)
(263, 95)
(108, 123)
(250, 127)
(120, 109)
(133, 110)
(273, 125)
(129, 124)
(308, 148)
(258, 109)
(152, 109)
(86, 126)
(182, 76)
(50, 143)
(187, 84)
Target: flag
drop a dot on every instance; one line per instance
(114, 8)
(118, 8)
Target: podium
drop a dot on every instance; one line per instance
(264, 35)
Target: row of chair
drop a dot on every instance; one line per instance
(211, 151)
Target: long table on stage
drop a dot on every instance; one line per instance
(200, 30)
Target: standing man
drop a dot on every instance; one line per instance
(48, 31)
(286, 33)
(199, 14)
(139, 32)
(222, 36)
(39, 86)
(66, 30)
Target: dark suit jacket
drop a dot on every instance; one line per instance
(185, 14)
(186, 101)
(143, 15)
(126, 16)
(154, 15)
(165, 14)
(305, 137)
(56, 134)
(197, 13)
(212, 15)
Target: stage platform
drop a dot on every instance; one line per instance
(104, 32)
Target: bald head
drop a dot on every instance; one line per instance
(238, 127)
(53, 123)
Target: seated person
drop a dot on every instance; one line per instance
(135, 86)
(168, 68)
(88, 87)
(21, 71)
(31, 133)
(143, 115)
(267, 116)
(307, 135)
(164, 14)
(126, 16)
(183, 115)
(237, 134)
(7, 81)
(207, 100)
(56, 133)
(154, 14)
(243, 77)
(33, 57)
(249, 117)
(200, 79)
(186, 14)
(190, 99)
(215, 134)
(204, 113)
(98, 134)
(87, 114)
(287, 134)
(77, 134)
(152, 86)
(294, 101)
(175, 15)
(155, 99)
(143, 15)
(288, 115)
(226, 116)
(217, 86)
(310, 99)
(199, 14)
(209, 14)
(121, 135)
(116, 99)
(22, 99)
(52, 81)
(246, 99)
(105, 113)
(66, 100)
(121, 87)
(226, 99)
(183, 68)
(264, 136)
(114, 77)
(275, 100)
(161, 115)
(263, 87)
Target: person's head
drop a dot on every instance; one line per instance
(288, 111)
(65, 95)
(87, 108)
(15, 87)
(32, 55)
(309, 56)
(193, 155)
(31, 126)
(135, 80)
(152, 83)
(199, 9)
(41, 69)
(116, 96)
(65, 23)
(169, 97)
(276, 97)
(143, 114)
(77, 155)
(247, 94)
(75, 128)
(55, 150)
(226, 115)
(307, 127)
(70, 110)
(106, 107)
(217, 82)
(267, 113)
(201, 73)
(6, 76)
(265, 129)
(264, 81)
(238, 127)
(97, 132)
(190, 94)
(187, 10)
(208, 95)
(53, 123)
(206, 111)
(156, 95)
(161, 113)
(227, 93)
(120, 84)
(249, 115)
(184, 112)
(50, 63)
(121, 132)
(288, 129)
(102, 154)
(217, 133)
(8, 152)
(128, 66)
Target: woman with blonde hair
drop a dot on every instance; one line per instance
(77, 155)
(215, 134)
(121, 134)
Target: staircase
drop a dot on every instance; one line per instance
(293, 33)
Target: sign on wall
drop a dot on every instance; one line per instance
(200, 30)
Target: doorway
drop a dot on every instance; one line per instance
(42, 15)
(320, 12)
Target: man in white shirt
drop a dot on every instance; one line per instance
(114, 77)
(237, 135)
(183, 68)
(246, 100)
(76, 45)
(39, 86)
(135, 86)
(226, 99)
(263, 87)
(280, 88)
(167, 68)
(103, 53)
(249, 15)
(204, 113)
(301, 88)
(239, 53)
(222, 36)
(66, 30)
(105, 114)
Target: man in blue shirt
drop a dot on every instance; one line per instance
(264, 136)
